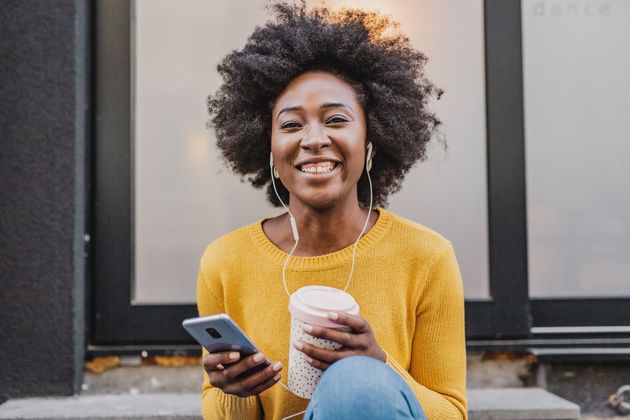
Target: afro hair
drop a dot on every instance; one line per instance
(362, 48)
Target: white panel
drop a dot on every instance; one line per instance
(184, 198)
(448, 192)
(577, 107)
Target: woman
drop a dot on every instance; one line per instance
(329, 95)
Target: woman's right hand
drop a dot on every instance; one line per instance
(223, 369)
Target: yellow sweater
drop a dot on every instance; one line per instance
(408, 286)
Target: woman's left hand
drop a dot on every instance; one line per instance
(358, 342)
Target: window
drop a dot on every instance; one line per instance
(150, 93)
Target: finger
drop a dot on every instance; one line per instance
(316, 363)
(247, 385)
(357, 323)
(256, 379)
(237, 368)
(267, 384)
(314, 352)
(346, 339)
(216, 361)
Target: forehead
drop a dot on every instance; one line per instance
(317, 87)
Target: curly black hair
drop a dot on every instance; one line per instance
(362, 48)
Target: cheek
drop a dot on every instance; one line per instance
(353, 169)
(278, 151)
(356, 162)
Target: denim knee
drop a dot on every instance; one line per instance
(358, 378)
(354, 373)
(363, 387)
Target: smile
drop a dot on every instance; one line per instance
(319, 167)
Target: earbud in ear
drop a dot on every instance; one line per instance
(368, 157)
(274, 171)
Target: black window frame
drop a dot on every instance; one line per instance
(510, 320)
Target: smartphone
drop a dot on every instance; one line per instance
(218, 333)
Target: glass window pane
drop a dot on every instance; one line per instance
(577, 102)
(184, 198)
(448, 192)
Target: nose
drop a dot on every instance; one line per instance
(315, 138)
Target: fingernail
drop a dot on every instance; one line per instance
(298, 345)
(234, 355)
(308, 359)
(220, 366)
(277, 377)
(258, 357)
(307, 328)
(277, 366)
(333, 315)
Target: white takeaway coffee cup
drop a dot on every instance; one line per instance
(310, 305)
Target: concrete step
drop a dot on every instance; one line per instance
(519, 404)
(484, 404)
(106, 406)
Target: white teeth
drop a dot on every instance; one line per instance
(318, 168)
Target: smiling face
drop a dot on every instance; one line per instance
(318, 140)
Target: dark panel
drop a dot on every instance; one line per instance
(581, 312)
(112, 193)
(506, 169)
(43, 125)
(493, 320)
(147, 324)
(116, 320)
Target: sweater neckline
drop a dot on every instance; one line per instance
(325, 261)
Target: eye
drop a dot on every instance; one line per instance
(290, 124)
(337, 119)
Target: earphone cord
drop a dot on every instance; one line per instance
(297, 239)
(295, 235)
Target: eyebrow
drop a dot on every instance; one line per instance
(324, 106)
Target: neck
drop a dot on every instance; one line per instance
(323, 231)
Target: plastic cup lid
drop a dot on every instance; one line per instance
(311, 304)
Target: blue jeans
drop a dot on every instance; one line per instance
(361, 387)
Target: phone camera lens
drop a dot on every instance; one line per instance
(213, 333)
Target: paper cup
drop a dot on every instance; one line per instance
(310, 305)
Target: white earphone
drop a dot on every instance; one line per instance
(274, 174)
(296, 237)
(294, 229)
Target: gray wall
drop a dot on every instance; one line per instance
(43, 135)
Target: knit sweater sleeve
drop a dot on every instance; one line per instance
(215, 403)
(438, 354)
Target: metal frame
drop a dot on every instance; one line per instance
(115, 320)
(502, 322)
(508, 313)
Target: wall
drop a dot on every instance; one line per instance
(43, 130)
